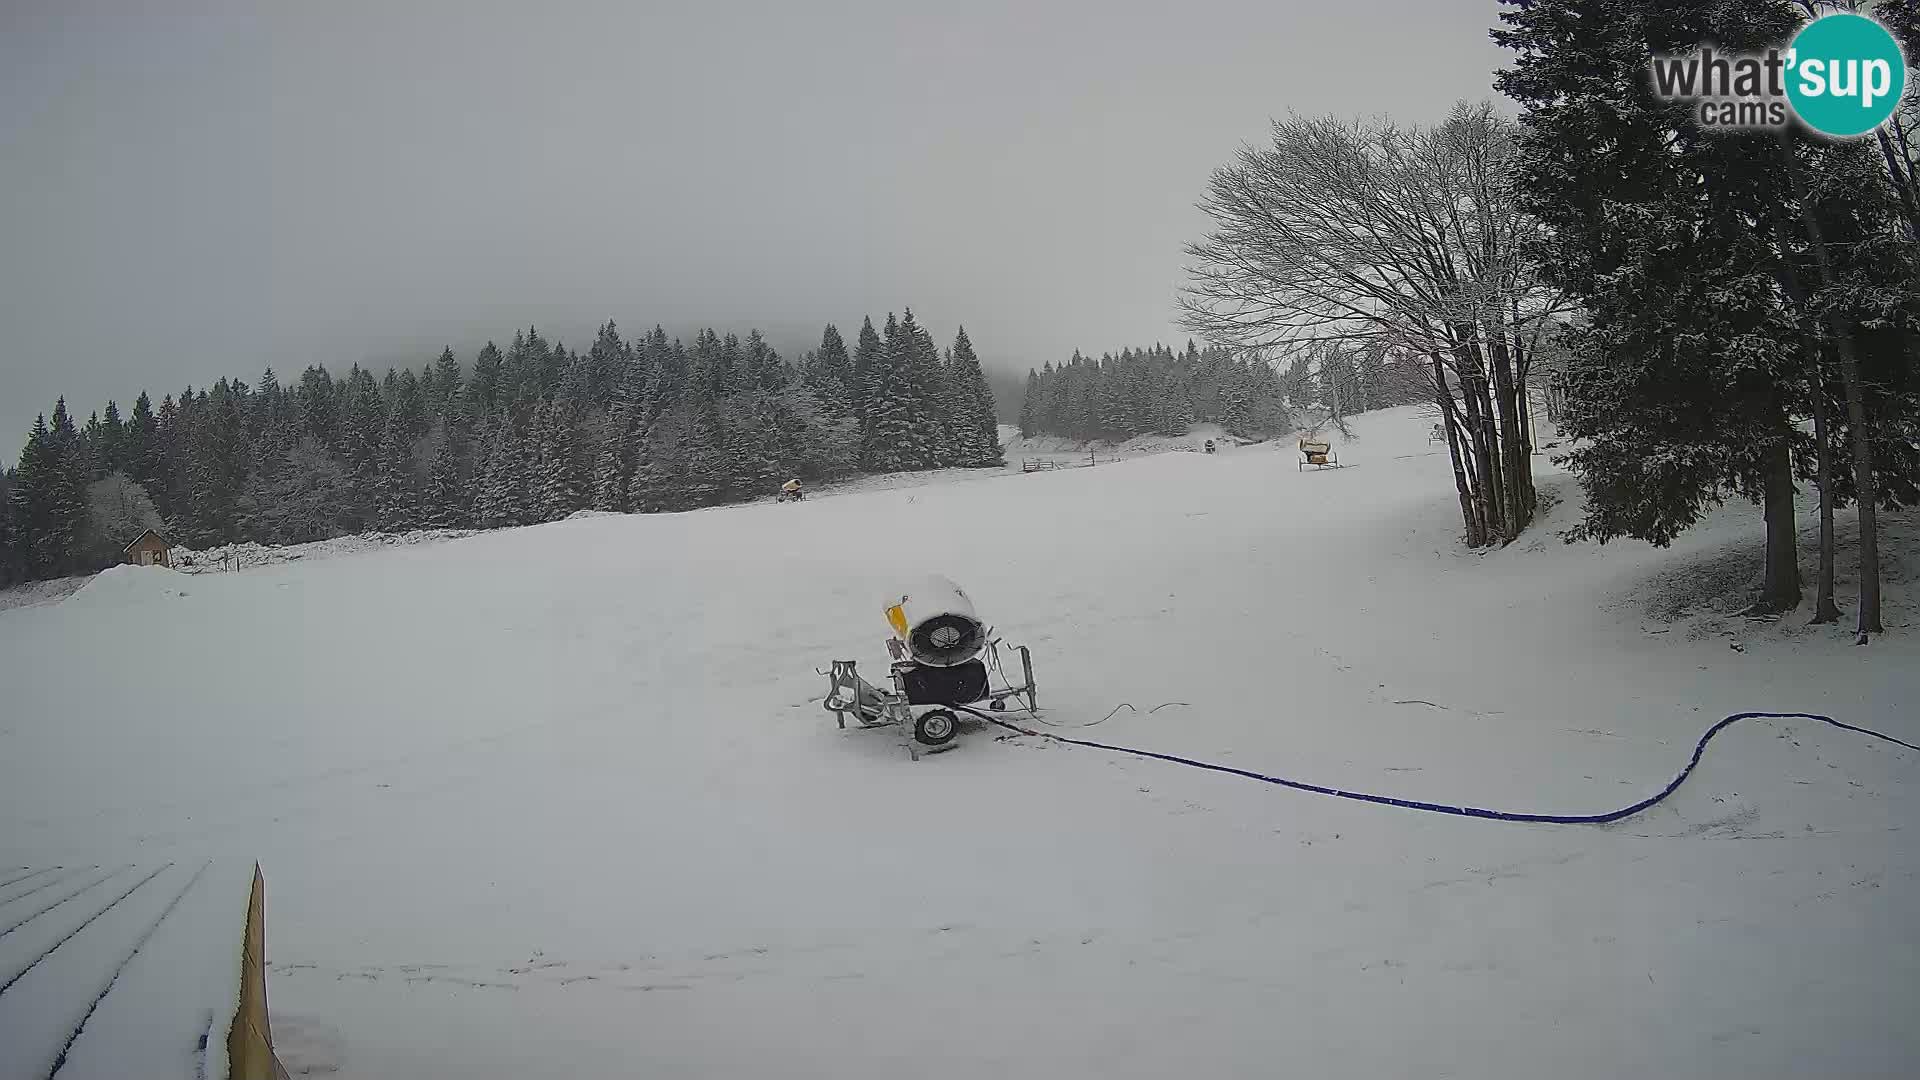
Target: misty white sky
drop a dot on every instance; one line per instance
(184, 196)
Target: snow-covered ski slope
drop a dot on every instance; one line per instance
(561, 801)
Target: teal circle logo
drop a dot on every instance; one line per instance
(1846, 75)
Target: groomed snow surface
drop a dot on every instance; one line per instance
(109, 972)
(562, 801)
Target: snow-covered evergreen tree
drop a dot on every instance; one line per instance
(501, 496)
(446, 503)
(972, 414)
(831, 373)
(318, 410)
(607, 359)
(869, 356)
(407, 407)
(887, 440)
(396, 495)
(764, 368)
(705, 462)
(486, 389)
(613, 473)
(10, 569)
(556, 487)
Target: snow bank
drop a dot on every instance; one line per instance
(119, 587)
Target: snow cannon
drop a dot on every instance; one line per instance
(945, 657)
(935, 624)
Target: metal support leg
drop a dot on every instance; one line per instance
(1026, 665)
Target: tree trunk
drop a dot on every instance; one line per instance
(1499, 491)
(1443, 397)
(1864, 489)
(1515, 461)
(1486, 498)
(1824, 609)
(1780, 591)
(1485, 437)
(1865, 493)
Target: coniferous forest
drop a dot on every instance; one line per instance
(530, 433)
(1155, 391)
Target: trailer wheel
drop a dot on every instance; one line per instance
(936, 728)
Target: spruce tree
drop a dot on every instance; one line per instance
(396, 501)
(442, 385)
(1684, 383)
(9, 546)
(318, 409)
(165, 457)
(607, 360)
(746, 466)
(556, 488)
(407, 406)
(362, 423)
(139, 448)
(764, 370)
(447, 504)
(500, 490)
(732, 375)
(575, 396)
(62, 521)
(33, 498)
(113, 436)
(973, 414)
(887, 443)
(830, 374)
(705, 460)
(486, 391)
(869, 356)
(613, 473)
(1030, 406)
(924, 392)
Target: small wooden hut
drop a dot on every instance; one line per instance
(148, 549)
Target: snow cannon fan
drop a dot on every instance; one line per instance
(935, 625)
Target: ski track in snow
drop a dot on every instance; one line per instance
(562, 800)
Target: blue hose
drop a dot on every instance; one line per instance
(1443, 808)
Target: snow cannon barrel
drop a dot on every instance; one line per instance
(937, 625)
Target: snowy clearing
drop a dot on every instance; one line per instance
(246, 555)
(562, 800)
(1017, 446)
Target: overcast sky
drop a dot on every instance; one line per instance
(184, 196)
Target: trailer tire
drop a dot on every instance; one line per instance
(936, 727)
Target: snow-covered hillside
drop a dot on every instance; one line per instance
(562, 801)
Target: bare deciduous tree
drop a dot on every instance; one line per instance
(1369, 234)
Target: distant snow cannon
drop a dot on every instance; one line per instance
(944, 656)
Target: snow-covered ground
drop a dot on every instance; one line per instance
(247, 554)
(561, 801)
(31, 593)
